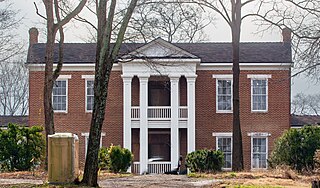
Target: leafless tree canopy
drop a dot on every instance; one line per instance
(303, 104)
(13, 88)
(302, 17)
(9, 21)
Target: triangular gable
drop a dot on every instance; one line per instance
(159, 48)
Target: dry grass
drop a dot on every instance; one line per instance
(268, 178)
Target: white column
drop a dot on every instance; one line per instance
(174, 121)
(127, 112)
(143, 123)
(191, 97)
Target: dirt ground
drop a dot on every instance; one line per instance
(265, 179)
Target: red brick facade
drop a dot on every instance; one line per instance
(77, 121)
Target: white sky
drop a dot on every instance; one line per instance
(218, 32)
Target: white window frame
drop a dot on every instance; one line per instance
(86, 141)
(260, 77)
(86, 79)
(66, 79)
(259, 135)
(223, 77)
(224, 135)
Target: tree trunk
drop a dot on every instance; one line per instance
(48, 78)
(237, 153)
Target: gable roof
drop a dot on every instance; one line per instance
(301, 120)
(272, 52)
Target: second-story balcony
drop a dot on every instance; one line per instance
(157, 113)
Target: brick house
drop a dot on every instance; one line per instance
(166, 100)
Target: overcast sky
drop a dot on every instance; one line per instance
(218, 32)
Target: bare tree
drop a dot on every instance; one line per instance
(9, 47)
(13, 88)
(173, 22)
(303, 104)
(302, 19)
(54, 23)
(106, 55)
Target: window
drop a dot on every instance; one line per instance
(89, 95)
(224, 95)
(259, 92)
(259, 95)
(224, 144)
(59, 96)
(259, 152)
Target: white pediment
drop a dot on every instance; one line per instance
(160, 48)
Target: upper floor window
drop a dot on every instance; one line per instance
(59, 96)
(89, 95)
(224, 95)
(259, 92)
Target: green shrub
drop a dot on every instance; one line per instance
(205, 160)
(296, 148)
(21, 148)
(115, 159)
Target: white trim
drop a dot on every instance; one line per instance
(66, 79)
(86, 94)
(259, 134)
(86, 139)
(223, 77)
(245, 66)
(251, 151)
(163, 60)
(72, 67)
(91, 77)
(259, 76)
(222, 134)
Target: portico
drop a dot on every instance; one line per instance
(162, 104)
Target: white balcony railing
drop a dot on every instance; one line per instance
(159, 113)
(158, 167)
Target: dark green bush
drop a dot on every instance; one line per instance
(205, 160)
(21, 148)
(115, 159)
(296, 148)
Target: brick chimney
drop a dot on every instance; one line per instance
(286, 35)
(33, 36)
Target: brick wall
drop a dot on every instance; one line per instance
(77, 120)
(207, 120)
(275, 121)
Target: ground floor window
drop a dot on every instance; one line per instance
(224, 144)
(259, 152)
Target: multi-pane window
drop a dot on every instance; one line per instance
(224, 144)
(89, 95)
(224, 95)
(259, 152)
(59, 96)
(259, 96)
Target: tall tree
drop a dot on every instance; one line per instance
(303, 104)
(230, 11)
(54, 23)
(9, 22)
(13, 88)
(106, 55)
